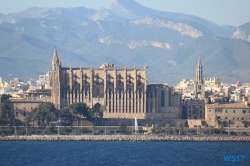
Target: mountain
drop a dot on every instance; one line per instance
(126, 34)
(130, 9)
(242, 32)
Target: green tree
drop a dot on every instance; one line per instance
(186, 123)
(45, 113)
(122, 128)
(95, 114)
(5, 97)
(4, 113)
(203, 123)
(209, 100)
(75, 111)
(179, 127)
(168, 128)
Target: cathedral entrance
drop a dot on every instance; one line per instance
(98, 108)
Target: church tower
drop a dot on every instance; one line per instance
(199, 85)
(55, 80)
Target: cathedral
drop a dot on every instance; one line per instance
(124, 92)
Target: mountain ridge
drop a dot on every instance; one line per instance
(87, 37)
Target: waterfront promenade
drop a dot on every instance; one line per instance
(144, 138)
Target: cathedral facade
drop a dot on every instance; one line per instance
(123, 91)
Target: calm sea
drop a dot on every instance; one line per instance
(123, 153)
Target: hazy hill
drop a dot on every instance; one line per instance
(243, 32)
(127, 34)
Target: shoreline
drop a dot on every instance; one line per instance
(129, 138)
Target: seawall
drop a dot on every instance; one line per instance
(143, 138)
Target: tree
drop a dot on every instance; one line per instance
(103, 109)
(203, 123)
(209, 100)
(5, 97)
(186, 123)
(168, 128)
(221, 128)
(95, 114)
(75, 110)
(4, 113)
(179, 126)
(45, 113)
(122, 128)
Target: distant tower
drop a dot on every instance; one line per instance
(199, 85)
(55, 80)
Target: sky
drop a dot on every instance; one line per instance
(221, 12)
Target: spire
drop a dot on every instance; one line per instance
(199, 61)
(55, 57)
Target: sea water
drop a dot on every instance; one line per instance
(123, 153)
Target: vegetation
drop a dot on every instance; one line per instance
(122, 128)
(45, 113)
(74, 112)
(4, 114)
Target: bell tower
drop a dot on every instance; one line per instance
(199, 85)
(55, 80)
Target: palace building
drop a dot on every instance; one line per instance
(124, 91)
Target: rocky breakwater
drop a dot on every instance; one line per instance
(128, 138)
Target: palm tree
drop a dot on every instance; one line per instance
(103, 109)
(221, 128)
(168, 128)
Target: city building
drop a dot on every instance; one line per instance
(124, 91)
(235, 112)
(195, 108)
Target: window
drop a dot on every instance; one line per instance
(209, 110)
(249, 111)
(16, 113)
(242, 118)
(139, 79)
(31, 108)
(98, 92)
(162, 98)
(209, 118)
(200, 112)
(233, 118)
(24, 113)
(97, 79)
(233, 111)
(200, 106)
(85, 81)
(16, 108)
(226, 111)
(189, 106)
(24, 108)
(244, 111)
(190, 111)
(129, 79)
(225, 117)
(237, 118)
(200, 116)
(119, 79)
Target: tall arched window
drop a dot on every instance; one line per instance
(97, 78)
(162, 98)
(75, 79)
(98, 92)
(139, 79)
(129, 79)
(119, 79)
(109, 79)
(66, 78)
